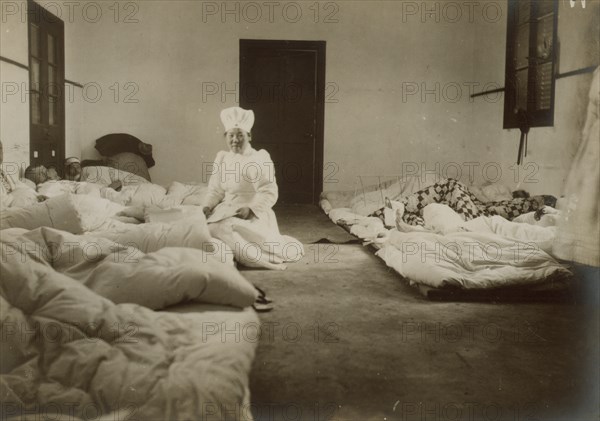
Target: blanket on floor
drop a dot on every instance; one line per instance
(68, 348)
(470, 260)
(250, 242)
(92, 215)
(481, 253)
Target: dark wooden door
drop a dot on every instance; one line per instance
(283, 83)
(47, 81)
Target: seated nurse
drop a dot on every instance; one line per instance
(241, 193)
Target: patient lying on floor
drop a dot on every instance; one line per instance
(14, 192)
(458, 197)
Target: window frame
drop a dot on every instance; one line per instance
(541, 117)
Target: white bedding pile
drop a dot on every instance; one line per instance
(74, 213)
(126, 274)
(137, 194)
(483, 253)
(68, 345)
(82, 266)
(135, 191)
(467, 259)
(91, 264)
(173, 217)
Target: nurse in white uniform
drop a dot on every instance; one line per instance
(241, 193)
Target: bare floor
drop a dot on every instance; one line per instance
(349, 339)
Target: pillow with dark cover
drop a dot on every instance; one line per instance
(130, 162)
(114, 143)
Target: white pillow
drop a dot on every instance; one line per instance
(169, 276)
(173, 214)
(442, 219)
(57, 212)
(53, 188)
(188, 194)
(28, 183)
(550, 218)
(146, 194)
(68, 212)
(183, 230)
(22, 197)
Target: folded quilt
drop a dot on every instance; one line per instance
(468, 259)
(441, 219)
(125, 274)
(541, 237)
(75, 213)
(69, 352)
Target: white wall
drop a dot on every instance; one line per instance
(371, 55)
(14, 103)
(146, 65)
(14, 111)
(551, 149)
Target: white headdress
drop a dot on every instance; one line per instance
(72, 160)
(236, 117)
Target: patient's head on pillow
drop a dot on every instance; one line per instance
(72, 169)
(549, 200)
(36, 173)
(520, 194)
(539, 201)
(53, 173)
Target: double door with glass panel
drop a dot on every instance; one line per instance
(46, 90)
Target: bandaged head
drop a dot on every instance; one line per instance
(72, 168)
(72, 160)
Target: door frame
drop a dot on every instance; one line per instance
(41, 16)
(319, 48)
